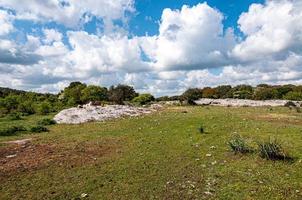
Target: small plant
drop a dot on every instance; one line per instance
(15, 116)
(272, 150)
(46, 122)
(201, 129)
(239, 145)
(9, 131)
(38, 129)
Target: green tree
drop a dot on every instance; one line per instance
(121, 93)
(94, 93)
(72, 93)
(222, 91)
(191, 95)
(26, 107)
(143, 99)
(294, 96)
(44, 108)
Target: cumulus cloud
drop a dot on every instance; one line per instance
(273, 29)
(5, 22)
(71, 13)
(191, 38)
(191, 42)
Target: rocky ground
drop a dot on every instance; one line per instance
(89, 113)
(243, 102)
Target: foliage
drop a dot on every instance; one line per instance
(209, 93)
(15, 116)
(73, 93)
(223, 91)
(239, 145)
(13, 130)
(191, 95)
(94, 93)
(26, 107)
(121, 93)
(38, 129)
(294, 96)
(143, 99)
(272, 150)
(46, 122)
(265, 93)
(44, 108)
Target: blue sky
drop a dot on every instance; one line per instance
(157, 46)
(149, 12)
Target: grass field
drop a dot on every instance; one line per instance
(157, 156)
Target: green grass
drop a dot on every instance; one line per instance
(164, 156)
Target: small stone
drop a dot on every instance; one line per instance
(83, 195)
(208, 155)
(11, 156)
(208, 193)
(197, 159)
(212, 147)
(214, 163)
(297, 191)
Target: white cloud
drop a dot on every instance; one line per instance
(271, 29)
(191, 38)
(71, 13)
(5, 23)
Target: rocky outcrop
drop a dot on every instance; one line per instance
(88, 113)
(244, 102)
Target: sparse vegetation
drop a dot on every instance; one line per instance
(46, 122)
(272, 150)
(38, 129)
(239, 145)
(10, 131)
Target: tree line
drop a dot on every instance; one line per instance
(27, 103)
(260, 92)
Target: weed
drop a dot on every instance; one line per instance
(239, 145)
(13, 130)
(46, 122)
(272, 150)
(38, 129)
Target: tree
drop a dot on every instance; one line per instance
(191, 95)
(265, 94)
(94, 93)
(121, 93)
(26, 107)
(223, 90)
(44, 108)
(294, 96)
(143, 99)
(208, 92)
(72, 93)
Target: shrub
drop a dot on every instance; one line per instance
(46, 122)
(272, 150)
(143, 99)
(191, 95)
(294, 96)
(9, 131)
(239, 145)
(38, 129)
(15, 116)
(26, 108)
(44, 108)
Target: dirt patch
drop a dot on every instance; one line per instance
(16, 158)
(278, 118)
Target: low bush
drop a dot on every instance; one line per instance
(239, 145)
(143, 99)
(15, 116)
(13, 130)
(38, 129)
(272, 150)
(46, 122)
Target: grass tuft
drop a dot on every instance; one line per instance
(46, 122)
(239, 145)
(10, 131)
(38, 129)
(272, 150)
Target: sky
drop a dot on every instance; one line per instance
(158, 47)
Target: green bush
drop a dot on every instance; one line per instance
(239, 145)
(38, 129)
(26, 107)
(15, 116)
(143, 99)
(294, 96)
(13, 130)
(46, 122)
(44, 108)
(272, 150)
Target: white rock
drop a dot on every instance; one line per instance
(98, 113)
